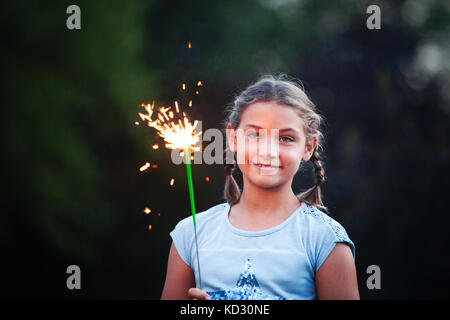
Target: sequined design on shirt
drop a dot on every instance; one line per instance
(339, 231)
(247, 288)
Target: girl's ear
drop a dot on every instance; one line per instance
(231, 138)
(309, 148)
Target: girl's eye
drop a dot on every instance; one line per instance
(289, 139)
(284, 139)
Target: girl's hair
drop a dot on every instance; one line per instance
(286, 91)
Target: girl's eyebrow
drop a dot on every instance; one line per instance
(258, 127)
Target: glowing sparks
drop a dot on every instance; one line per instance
(155, 146)
(144, 167)
(178, 134)
(147, 210)
(154, 166)
(136, 123)
(207, 179)
(163, 111)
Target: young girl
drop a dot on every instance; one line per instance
(266, 242)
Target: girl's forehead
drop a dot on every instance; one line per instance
(271, 115)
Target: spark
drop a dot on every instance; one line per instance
(144, 167)
(177, 135)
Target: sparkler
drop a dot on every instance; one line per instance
(177, 135)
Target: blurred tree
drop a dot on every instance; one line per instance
(68, 100)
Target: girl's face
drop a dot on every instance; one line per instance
(270, 144)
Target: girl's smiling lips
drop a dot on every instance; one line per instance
(262, 165)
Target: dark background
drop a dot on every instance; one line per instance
(72, 190)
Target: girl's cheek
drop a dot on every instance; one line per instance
(290, 157)
(249, 150)
(243, 155)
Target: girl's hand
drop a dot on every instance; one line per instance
(197, 294)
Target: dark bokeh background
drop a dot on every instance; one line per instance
(72, 189)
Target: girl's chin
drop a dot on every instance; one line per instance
(265, 181)
(268, 185)
(269, 171)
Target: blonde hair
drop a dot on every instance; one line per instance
(286, 91)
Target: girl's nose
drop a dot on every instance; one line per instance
(268, 148)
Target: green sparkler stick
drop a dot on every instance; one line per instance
(187, 153)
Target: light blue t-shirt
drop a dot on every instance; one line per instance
(277, 263)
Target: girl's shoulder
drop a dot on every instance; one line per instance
(320, 219)
(323, 226)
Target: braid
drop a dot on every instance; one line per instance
(232, 192)
(313, 196)
(319, 173)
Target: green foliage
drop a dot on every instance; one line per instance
(69, 95)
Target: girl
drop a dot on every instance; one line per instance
(266, 242)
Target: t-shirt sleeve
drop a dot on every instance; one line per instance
(181, 235)
(331, 234)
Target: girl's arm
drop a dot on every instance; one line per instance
(179, 278)
(336, 278)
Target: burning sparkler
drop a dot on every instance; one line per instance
(177, 135)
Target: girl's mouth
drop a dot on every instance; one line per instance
(266, 169)
(261, 165)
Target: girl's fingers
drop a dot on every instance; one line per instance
(197, 294)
